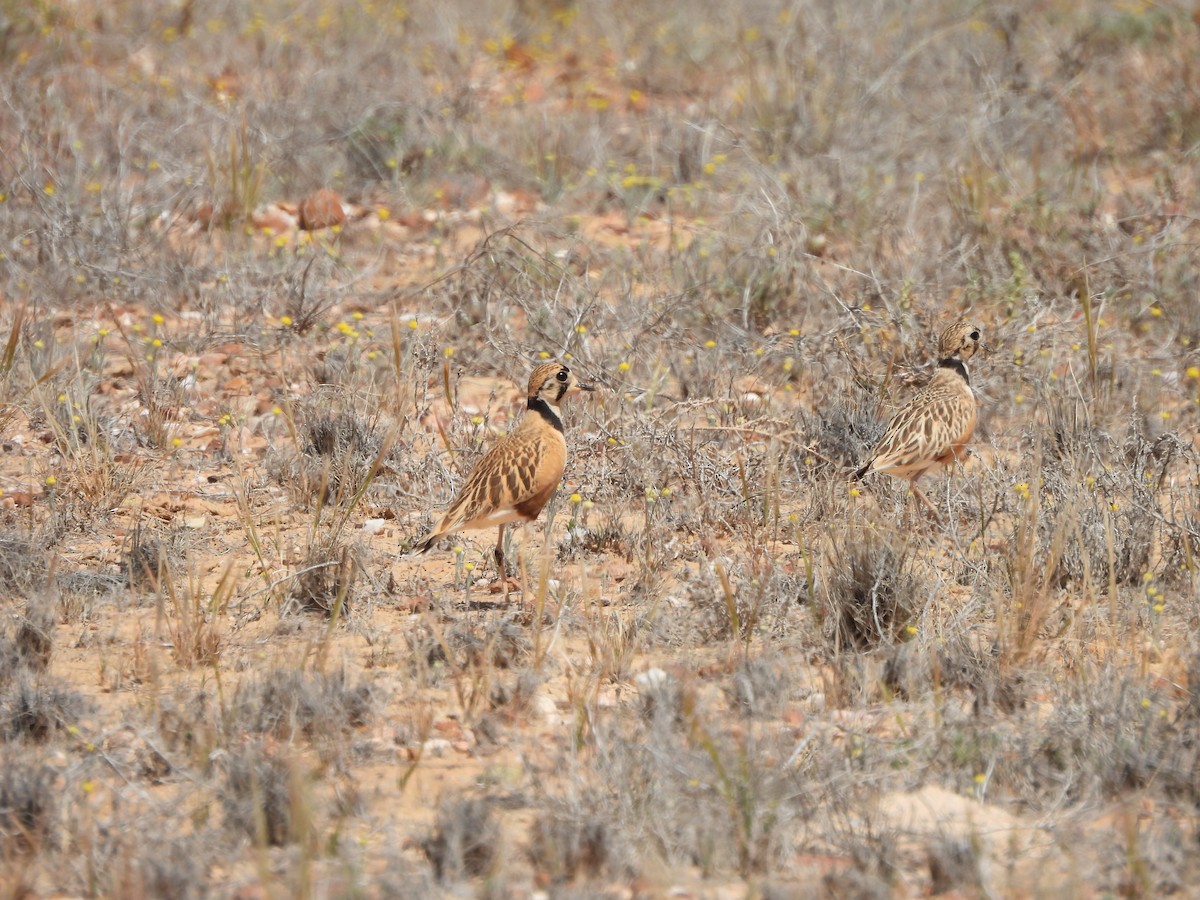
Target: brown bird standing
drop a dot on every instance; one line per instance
(935, 426)
(516, 478)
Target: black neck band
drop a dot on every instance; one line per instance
(546, 411)
(956, 365)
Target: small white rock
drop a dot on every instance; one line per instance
(651, 679)
(436, 747)
(545, 706)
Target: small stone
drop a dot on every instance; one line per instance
(322, 209)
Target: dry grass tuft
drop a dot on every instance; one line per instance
(326, 582)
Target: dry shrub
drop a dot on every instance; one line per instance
(693, 794)
(931, 665)
(35, 709)
(81, 593)
(581, 541)
(287, 703)
(265, 796)
(147, 560)
(31, 803)
(503, 643)
(954, 865)
(186, 723)
(663, 700)
(28, 648)
(338, 450)
(22, 565)
(773, 190)
(759, 686)
(730, 599)
(170, 868)
(34, 638)
(1101, 522)
(569, 845)
(466, 839)
(871, 594)
(837, 434)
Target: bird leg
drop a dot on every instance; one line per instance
(502, 564)
(920, 495)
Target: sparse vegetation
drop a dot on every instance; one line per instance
(272, 277)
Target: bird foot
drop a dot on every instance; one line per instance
(505, 584)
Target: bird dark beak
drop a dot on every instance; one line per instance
(584, 387)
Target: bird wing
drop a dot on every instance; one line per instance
(503, 479)
(932, 424)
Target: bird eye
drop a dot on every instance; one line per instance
(562, 375)
(974, 335)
